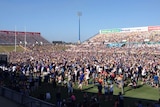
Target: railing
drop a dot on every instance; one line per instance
(24, 101)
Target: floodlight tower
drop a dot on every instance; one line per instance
(25, 38)
(79, 15)
(15, 46)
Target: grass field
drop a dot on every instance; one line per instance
(6, 49)
(144, 93)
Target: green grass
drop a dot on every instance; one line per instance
(144, 93)
(6, 49)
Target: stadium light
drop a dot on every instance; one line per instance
(15, 40)
(25, 39)
(79, 15)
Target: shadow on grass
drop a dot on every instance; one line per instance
(88, 88)
(128, 101)
(132, 88)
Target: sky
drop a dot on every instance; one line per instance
(58, 20)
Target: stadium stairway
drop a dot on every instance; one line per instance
(24, 48)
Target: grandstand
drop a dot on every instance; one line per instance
(8, 38)
(119, 37)
(128, 38)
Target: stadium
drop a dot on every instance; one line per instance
(128, 58)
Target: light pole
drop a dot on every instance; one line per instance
(15, 40)
(79, 15)
(25, 38)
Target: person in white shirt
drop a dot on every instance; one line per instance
(87, 77)
(143, 74)
(75, 72)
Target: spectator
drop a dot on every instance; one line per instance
(48, 96)
(106, 91)
(70, 88)
(58, 98)
(120, 100)
(100, 90)
(139, 104)
(156, 80)
(111, 89)
(116, 103)
(157, 104)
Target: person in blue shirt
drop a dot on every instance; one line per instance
(81, 78)
(156, 80)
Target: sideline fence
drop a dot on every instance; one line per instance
(25, 101)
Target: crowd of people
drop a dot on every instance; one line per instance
(82, 65)
(139, 36)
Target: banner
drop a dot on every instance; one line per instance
(134, 29)
(150, 28)
(125, 30)
(19, 33)
(109, 31)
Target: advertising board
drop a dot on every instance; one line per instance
(109, 31)
(19, 33)
(151, 28)
(134, 29)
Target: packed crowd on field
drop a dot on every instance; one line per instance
(81, 65)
